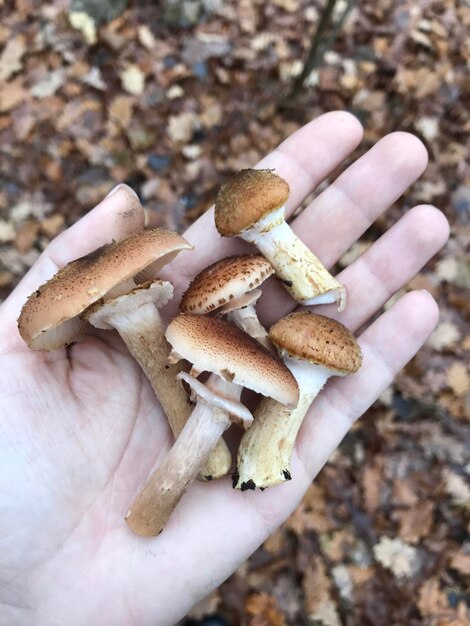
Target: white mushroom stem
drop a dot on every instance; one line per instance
(247, 320)
(242, 312)
(137, 320)
(299, 270)
(265, 450)
(209, 419)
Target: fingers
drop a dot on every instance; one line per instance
(346, 209)
(389, 264)
(118, 215)
(387, 345)
(304, 160)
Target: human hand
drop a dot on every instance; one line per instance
(81, 430)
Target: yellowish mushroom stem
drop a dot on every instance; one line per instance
(265, 450)
(299, 270)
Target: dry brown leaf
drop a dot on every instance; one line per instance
(264, 610)
(431, 600)
(316, 585)
(120, 110)
(416, 522)
(458, 379)
(11, 94)
(326, 614)
(371, 486)
(403, 493)
(10, 59)
(461, 562)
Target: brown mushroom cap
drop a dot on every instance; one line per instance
(217, 346)
(318, 340)
(45, 321)
(225, 280)
(246, 198)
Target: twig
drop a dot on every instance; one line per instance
(321, 42)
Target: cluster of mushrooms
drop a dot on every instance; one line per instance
(217, 332)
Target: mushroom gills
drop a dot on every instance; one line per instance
(299, 270)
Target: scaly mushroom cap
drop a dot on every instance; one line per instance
(47, 321)
(246, 198)
(216, 346)
(318, 340)
(225, 280)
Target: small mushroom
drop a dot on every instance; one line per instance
(101, 287)
(251, 205)
(314, 348)
(235, 360)
(229, 288)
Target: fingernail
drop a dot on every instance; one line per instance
(113, 190)
(123, 186)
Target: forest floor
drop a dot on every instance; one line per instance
(174, 102)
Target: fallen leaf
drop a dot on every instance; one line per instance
(7, 231)
(264, 610)
(326, 614)
(181, 127)
(82, 22)
(120, 110)
(458, 378)
(133, 80)
(146, 37)
(415, 523)
(431, 600)
(371, 486)
(316, 585)
(461, 562)
(396, 555)
(50, 84)
(11, 94)
(10, 59)
(445, 336)
(457, 487)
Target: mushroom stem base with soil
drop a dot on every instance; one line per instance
(266, 448)
(209, 419)
(299, 270)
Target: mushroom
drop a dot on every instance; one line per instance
(229, 287)
(251, 205)
(314, 348)
(100, 287)
(235, 360)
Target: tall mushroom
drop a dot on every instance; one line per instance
(314, 348)
(235, 360)
(229, 287)
(251, 206)
(100, 287)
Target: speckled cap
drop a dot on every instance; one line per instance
(47, 322)
(219, 347)
(319, 340)
(246, 198)
(225, 280)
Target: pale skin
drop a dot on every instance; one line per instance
(80, 429)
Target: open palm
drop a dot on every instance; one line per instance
(80, 429)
